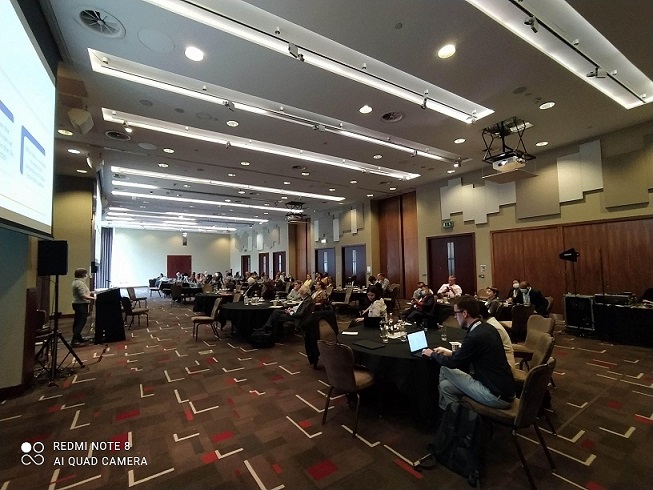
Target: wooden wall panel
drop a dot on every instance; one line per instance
(507, 259)
(585, 238)
(390, 250)
(629, 255)
(543, 269)
(300, 241)
(410, 246)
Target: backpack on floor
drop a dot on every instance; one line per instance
(458, 443)
(261, 338)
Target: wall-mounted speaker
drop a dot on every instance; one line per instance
(94, 267)
(52, 258)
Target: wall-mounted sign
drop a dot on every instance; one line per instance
(447, 224)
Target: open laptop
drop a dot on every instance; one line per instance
(417, 342)
(372, 321)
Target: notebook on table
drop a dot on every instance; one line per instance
(368, 344)
(417, 342)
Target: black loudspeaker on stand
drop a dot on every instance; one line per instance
(53, 261)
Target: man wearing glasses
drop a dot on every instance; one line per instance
(479, 368)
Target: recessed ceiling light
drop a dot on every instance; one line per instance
(541, 143)
(227, 200)
(332, 189)
(547, 105)
(163, 165)
(186, 185)
(353, 182)
(365, 109)
(456, 165)
(231, 175)
(266, 204)
(370, 195)
(168, 150)
(241, 192)
(74, 151)
(244, 164)
(447, 51)
(82, 171)
(377, 157)
(286, 182)
(232, 124)
(284, 197)
(266, 212)
(65, 132)
(459, 140)
(450, 171)
(393, 188)
(194, 54)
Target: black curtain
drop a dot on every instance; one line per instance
(103, 277)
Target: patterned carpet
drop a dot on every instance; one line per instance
(213, 414)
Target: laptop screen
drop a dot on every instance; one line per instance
(417, 341)
(372, 321)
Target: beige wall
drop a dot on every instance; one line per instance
(590, 208)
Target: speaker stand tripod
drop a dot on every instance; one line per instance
(56, 336)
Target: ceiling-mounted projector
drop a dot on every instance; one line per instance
(508, 164)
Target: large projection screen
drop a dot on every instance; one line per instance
(27, 114)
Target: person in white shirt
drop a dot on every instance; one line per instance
(376, 309)
(505, 338)
(383, 281)
(450, 289)
(293, 295)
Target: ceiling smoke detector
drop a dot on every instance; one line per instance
(392, 117)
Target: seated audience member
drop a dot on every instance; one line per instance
(417, 294)
(309, 281)
(267, 291)
(505, 338)
(377, 307)
(450, 289)
(320, 295)
(295, 314)
(229, 284)
(383, 281)
(293, 294)
(530, 296)
(491, 382)
(422, 307)
(492, 294)
(158, 280)
(514, 292)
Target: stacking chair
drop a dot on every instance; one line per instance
(134, 312)
(176, 294)
(338, 305)
(535, 323)
(517, 326)
(42, 338)
(134, 299)
(342, 374)
(237, 297)
(207, 320)
(154, 288)
(207, 288)
(523, 412)
(541, 344)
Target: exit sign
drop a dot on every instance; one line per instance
(447, 224)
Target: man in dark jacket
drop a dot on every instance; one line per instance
(491, 382)
(529, 296)
(297, 314)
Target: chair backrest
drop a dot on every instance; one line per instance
(207, 288)
(348, 292)
(648, 295)
(520, 314)
(40, 319)
(549, 305)
(216, 307)
(237, 297)
(131, 293)
(175, 291)
(329, 290)
(542, 345)
(538, 322)
(482, 293)
(535, 386)
(325, 331)
(239, 287)
(152, 282)
(338, 361)
(126, 305)
(493, 307)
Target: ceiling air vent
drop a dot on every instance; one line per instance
(117, 135)
(392, 117)
(101, 22)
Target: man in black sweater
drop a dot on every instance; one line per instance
(479, 368)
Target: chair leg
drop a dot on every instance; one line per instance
(553, 383)
(523, 460)
(544, 446)
(358, 404)
(548, 421)
(326, 406)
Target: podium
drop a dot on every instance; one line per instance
(109, 324)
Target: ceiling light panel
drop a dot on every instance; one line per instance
(568, 38)
(248, 144)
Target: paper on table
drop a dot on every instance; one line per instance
(349, 333)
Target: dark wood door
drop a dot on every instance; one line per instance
(325, 261)
(179, 263)
(353, 264)
(245, 264)
(264, 264)
(278, 262)
(452, 255)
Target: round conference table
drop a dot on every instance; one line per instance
(245, 318)
(415, 378)
(204, 301)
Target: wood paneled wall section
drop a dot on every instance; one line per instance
(298, 234)
(616, 256)
(398, 240)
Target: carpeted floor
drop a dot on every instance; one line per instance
(218, 414)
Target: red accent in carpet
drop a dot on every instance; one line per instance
(189, 414)
(121, 438)
(587, 444)
(402, 464)
(209, 457)
(592, 485)
(230, 401)
(561, 353)
(276, 468)
(148, 388)
(276, 377)
(304, 424)
(615, 404)
(97, 413)
(67, 383)
(645, 420)
(64, 478)
(322, 470)
(210, 360)
(222, 436)
(230, 381)
(38, 438)
(78, 396)
(127, 415)
(122, 362)
(235, 414)
(163, 359)
(54, 408)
